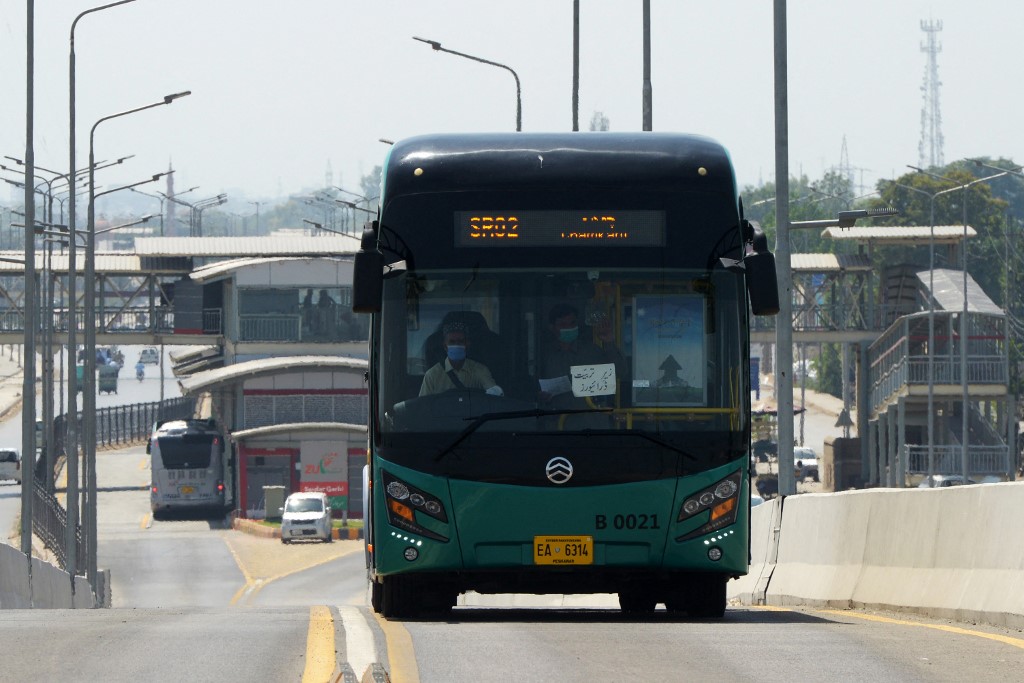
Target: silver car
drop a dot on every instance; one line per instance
(10, 464)
(306, 515)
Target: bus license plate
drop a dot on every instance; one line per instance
(563, 549)
(186, 490)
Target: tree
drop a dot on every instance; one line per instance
(599, 122)
(985, 213)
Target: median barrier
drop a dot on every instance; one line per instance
(49, 586)
(951, 553)
(765, 520)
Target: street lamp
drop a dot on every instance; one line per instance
(257, 216)
(784, 328)
(89, 383)
(71, 438)
(162, 197)
(964, 331)
(203, 205)
(932, 196)
(519, 99)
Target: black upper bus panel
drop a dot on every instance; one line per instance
(482, 161)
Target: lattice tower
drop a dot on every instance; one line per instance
(930, 147)
(169, 206)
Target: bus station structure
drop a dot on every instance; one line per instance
(242, 303)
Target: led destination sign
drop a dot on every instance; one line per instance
(559, 228)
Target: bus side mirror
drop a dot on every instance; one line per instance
(368, 273)
(762, 283)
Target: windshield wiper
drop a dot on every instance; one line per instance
(510, 415)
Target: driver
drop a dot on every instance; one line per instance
(456, 371)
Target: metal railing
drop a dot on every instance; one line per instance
(49, 522)
(128, 321)
(121, 425)
(281, 327)
(982, 460)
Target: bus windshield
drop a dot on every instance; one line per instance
(523, 351)
(186, 451)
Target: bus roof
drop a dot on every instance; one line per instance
(482, 161)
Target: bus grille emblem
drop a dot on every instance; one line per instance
(559, 470)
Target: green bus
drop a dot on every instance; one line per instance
(559, 370)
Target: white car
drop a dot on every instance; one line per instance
(806, 461)
(306, 515)
(10, 464)
(943, 480)
(149, 356)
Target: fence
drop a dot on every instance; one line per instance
(49, 522)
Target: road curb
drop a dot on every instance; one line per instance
(254, 527)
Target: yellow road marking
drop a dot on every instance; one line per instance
(320, 661)
(401, 656)
(255, 585)
(145, 521)
(143, 463)
(1006, 640)
(241, 567)
(260, 584)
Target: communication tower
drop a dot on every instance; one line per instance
(930, 147)
(169, 206)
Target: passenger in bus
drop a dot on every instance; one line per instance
(566, 348)
(456, 371)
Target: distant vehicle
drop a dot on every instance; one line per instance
(943, 480)
(149, 356)
(755, 499)
(764, 449)
(806, 463)
(306, 515)
(10, 464)
(107, 382)
(189, 468)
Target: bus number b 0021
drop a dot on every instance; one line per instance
(629, 522)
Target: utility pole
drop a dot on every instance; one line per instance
(647, 89)
(575, 65)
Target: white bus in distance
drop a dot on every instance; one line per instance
(189, 468)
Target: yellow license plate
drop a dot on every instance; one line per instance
(563, 549)
(185, 490)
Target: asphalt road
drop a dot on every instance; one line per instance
(195, 600)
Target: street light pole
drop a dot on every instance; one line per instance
(89, 383)
(519, 98)
(257, 216)
(28, 390)
(71, 438)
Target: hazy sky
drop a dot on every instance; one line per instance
(281, 90)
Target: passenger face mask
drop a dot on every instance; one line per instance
(456, 352)
(568, 335)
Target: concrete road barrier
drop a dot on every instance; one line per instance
(48, 587)
(950, 553)
(765, 522)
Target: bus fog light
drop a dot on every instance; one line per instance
(714, 554)
(411, 554)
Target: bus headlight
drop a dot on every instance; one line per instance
(403, 501)
(721, 499)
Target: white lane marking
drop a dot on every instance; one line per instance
(359, 646)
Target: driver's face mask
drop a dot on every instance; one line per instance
(456, 352)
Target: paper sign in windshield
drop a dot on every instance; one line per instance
(593, 380)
